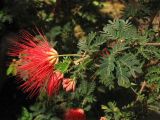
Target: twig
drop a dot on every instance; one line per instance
(143, 86)
(76, 62)
(141, 90)
(152, 44)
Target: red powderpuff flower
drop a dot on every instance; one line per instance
(37, 60)
(75, 114)
(54, 83)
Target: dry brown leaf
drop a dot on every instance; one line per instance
(78, 32)
(113, 9)
(156, 22)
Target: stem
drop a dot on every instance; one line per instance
(141, 89)
(56, 56)
(69, 55)
(143, 86)
(76, 62)
(65, 55)
(152, 44)
(134, 91)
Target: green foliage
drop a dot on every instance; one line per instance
(136, 10)
(106, 69)
(132, 63)
(12, 70)
(91, 43)
(84, 94)
(64, 65)
(126, 66)
(26, 115)
(4, 17)
(88, 16)
(39, 111)
(120, 30)
(54, 32)
(79, 70)
(114, 111)
(153, 77)
(149, 52)
(122, 76)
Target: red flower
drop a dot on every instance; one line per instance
(54, 83)
(75, 114)
(37, 60)
(69, 84)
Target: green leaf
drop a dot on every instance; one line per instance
(105, 70)
(149, 52)
(104, 107)
(92, 42)
(121, 73)
(40, 117)
(132, 63)
(26, 115)
(153, 77)
(11, 69)
(87, 108)
(118, 48)
(121, 30)
(124, 81)
(64, 65)
(57, 30)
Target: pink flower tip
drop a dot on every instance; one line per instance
(69, 84)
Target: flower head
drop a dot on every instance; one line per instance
(54, 83)
(37, 61)
(75, 114)
(69, 84)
